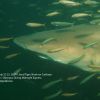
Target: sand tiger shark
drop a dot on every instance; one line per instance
(77, 45)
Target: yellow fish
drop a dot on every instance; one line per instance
(3, 47)
(87, 78)
(46, 86)
(5, 39)
(53, 13)
(69, 94)
(16, 72)
(53, 95)
(98, 77)
(12, 55)
(55, 50)
(72, 77)
(34, 24)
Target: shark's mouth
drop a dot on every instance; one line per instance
(78, 45)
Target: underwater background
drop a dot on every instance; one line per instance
(14, 14)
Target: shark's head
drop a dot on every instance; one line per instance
(78, 45)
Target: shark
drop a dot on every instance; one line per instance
(78, 45)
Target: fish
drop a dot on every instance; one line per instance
(72, 77)
(61, 24)
(55, 50)
(91, 3)
(34, 24)
(69, 94)
(69, 3)
(10, 56)
(53, 95)
(16, 72)
(48, 85)
(4, 47)
(4, 39)
(81, 15)
(48, 40)
(54, 13)
(96, 16)
(90, 44)
(94, 66)
(74, 54)
(45, 57)
(87, 78)
(95, 22)
(98, 94)
(76, 59)
(98, 77)
(98, 11)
